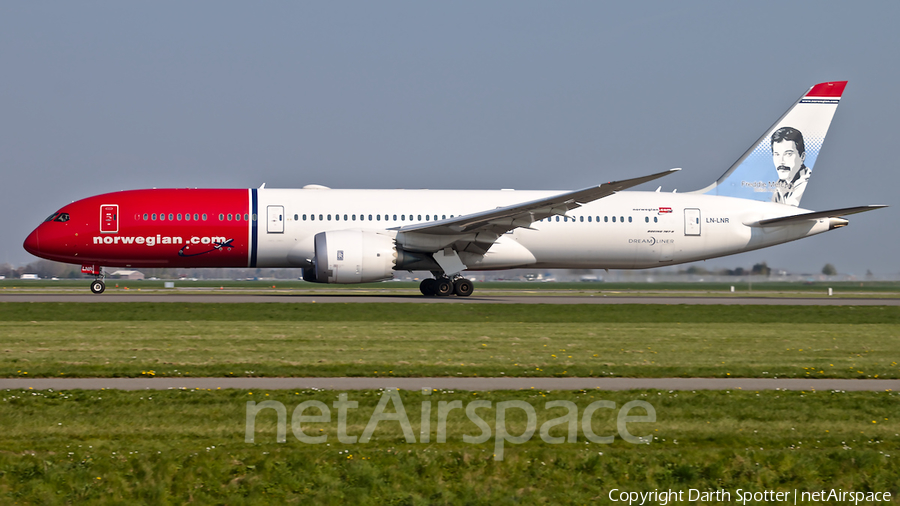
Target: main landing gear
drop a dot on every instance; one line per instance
(444, 286)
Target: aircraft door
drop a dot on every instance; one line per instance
(275, 220)
(691, 222)
(109, 218)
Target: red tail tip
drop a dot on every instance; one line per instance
(832, 89)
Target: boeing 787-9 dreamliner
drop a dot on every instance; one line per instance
(360, 236)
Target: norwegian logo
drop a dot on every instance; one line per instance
(665, 210)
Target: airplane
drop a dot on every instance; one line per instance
(360, 236)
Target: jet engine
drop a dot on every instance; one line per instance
(352, 256)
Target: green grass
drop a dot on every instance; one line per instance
(174, 447)
(226, 340)
(489, 314)
(742, 286)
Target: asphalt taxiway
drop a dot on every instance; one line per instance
(444, 383)
(293, 298)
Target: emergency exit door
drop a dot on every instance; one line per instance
(275, 221)
(691, 222)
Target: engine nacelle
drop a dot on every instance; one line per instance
(352, 256)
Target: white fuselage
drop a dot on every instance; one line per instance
(627, 230)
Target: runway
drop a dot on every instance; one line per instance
(290, 298)
(466, 384)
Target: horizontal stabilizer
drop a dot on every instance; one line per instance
(834, 213)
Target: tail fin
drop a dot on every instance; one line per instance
(778, 166)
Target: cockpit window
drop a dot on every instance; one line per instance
(61, 217)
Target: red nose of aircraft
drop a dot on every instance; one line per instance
(32, 243)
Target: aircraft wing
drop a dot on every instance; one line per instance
(834, 213)
(504, 219)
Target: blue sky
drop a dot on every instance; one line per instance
(98, 97)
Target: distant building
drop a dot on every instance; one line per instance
(127, 274)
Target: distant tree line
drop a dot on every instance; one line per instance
(760, 269)
(43, 268)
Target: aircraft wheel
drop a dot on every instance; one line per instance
(427, 287)
(443, 287)
(98, 286)
(463, 287)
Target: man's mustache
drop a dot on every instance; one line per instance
(782, 167)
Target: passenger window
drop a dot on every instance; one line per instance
(402, 217)
(655, 219)
(581, 218)
(629, 219)
(622, 219)
(187, 217)
(606, 219)
(646, 219)
(614, 219)
(204, 216)
(221, 217)
(296, 217)
(197, 217)
(370, 217)
(171, 217)
(145, 217)
(443, 216)
(229, 216)
(557, 218)
(345, 217)
(320, 217)
(395, 217)
(329, 217)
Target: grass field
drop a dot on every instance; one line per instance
(179, 446)
(163, 339)
(742, 287)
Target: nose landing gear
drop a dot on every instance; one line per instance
(444, 286)
(97, 286)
